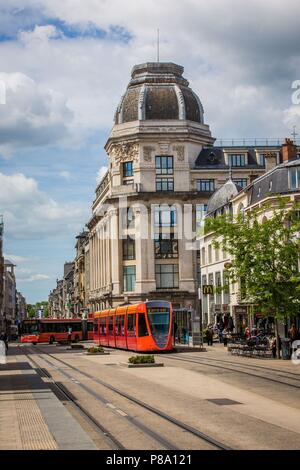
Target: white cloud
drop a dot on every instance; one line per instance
(35, 278)
(249, 60)
(39, 34)
(33, 115)
(31, 213)
(101, 173)
(16, 258)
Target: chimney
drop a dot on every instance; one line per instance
(289, 151)
(271, 160)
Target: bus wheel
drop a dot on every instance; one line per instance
(34, 344)
(76, 339)
(52, 339)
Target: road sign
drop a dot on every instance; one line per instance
(208, 289)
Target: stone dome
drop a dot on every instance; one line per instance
(222, 196)
(157, 90)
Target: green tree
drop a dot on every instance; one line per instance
(264, 257)
(30, 310)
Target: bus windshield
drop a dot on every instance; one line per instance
(31, 328)
(159, 321)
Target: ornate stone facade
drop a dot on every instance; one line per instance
(140, 252)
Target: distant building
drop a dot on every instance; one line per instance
(9, 303)
(81, 272)
(21, 312)
(68, 289)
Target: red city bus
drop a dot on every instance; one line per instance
(49, 330)
(142, 327)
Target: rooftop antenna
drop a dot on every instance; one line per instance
(294, 133)
(157, 44)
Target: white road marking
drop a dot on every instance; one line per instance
(121, 413)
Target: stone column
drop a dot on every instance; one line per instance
(115, 252)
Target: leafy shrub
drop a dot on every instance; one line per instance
(141, 359)
(95, 349)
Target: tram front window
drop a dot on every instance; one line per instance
(159, 321)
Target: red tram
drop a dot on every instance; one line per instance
(144, 327)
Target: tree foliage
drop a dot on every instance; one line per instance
(264, 254)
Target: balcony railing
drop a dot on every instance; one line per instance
(252, 142)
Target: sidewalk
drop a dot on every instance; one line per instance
(31, 416)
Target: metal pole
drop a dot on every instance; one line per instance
(200, 298)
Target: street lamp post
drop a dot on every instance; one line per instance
(200, 315)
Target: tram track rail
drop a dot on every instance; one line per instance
(217, 445)
(146, 430)
(220, 364)
(254, 366)
(112, 441)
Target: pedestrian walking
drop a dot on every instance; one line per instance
(273, 346)
(210, 336)
(225, 336)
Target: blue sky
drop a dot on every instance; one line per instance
(65, 66)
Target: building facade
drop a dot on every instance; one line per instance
(21, 311)
(81, 271)
(9, 300)
(263, 194)
(162, 169)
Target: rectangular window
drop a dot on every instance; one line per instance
(110, 325)
(131, 318)
(120, 325)
(127, 169)
(165, 216)
(203, 260)
(294, 178)
(199, 273)
(166, 276)
(206, 185)
(164, 165)
(262, 159)
(164, 184)
(130, 218)
(237, 159)
(204, 297)
(103, 326)
(142, 325)
(209, 253)
(128, 249)
(129, 278)
(218, 288)
(165, 246)
(201, 210)
(242, 182)
(211, 282)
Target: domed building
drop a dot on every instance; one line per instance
(158, 91)
(162, 169)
